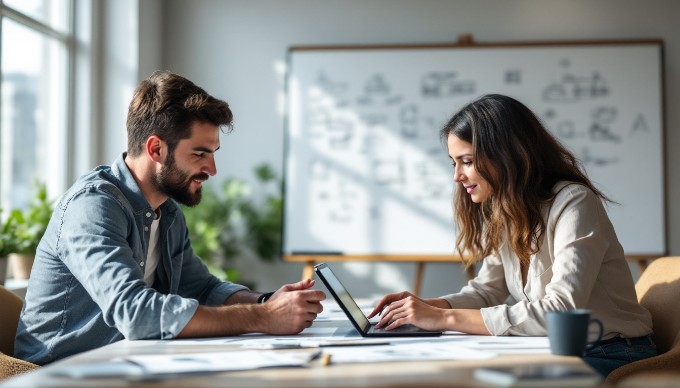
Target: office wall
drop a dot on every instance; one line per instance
(127, 48)
(119, 40)
(236, 49)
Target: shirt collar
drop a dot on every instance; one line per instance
(131, 190)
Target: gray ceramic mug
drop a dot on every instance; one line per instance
(568, 331)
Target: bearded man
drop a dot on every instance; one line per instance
(116, 260)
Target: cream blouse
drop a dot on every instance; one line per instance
(580, 264)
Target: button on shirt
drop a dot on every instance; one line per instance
(87, 287)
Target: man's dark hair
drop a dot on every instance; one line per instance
(166, 105)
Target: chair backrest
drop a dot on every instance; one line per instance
(9, 319)
(658, 290)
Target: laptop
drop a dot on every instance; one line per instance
(356, 316)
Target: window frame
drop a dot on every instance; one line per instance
(68, 40)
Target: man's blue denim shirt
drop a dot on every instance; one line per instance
(87, 286)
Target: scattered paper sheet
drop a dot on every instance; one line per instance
(99, 369)
(219, 361)
(149, 366)
(406, 352)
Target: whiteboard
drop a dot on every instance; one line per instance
(366, 173)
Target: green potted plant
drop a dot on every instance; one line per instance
(261, 213)
(237, 220)
(24, 229)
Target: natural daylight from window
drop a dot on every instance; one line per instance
(35, 54)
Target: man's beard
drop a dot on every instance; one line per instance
(176, 183)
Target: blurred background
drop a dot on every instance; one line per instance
(69, 68)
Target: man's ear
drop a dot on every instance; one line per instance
(155, 148)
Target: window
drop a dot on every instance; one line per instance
(36, 89)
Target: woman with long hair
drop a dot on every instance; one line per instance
(527, 211)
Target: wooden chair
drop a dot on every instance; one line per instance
(658, 290)
(11, 309)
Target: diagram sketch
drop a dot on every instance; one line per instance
(442, 85)
(573, 88)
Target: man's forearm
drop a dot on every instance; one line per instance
(225, 320)
(243, 296)
(289, 310)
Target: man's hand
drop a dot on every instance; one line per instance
(292, 308)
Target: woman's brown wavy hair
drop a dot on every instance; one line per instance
(522, 162)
